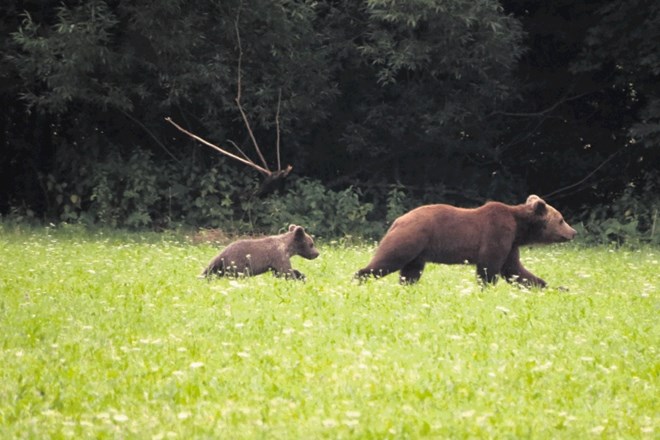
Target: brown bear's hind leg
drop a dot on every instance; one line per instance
(487, 273)
(411, 272)
(380, 267)
(368, 271)
(393, 254)
(215, 267)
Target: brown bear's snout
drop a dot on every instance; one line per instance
(572, 234)
(568, 233)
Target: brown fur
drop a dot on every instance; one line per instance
(255, 256)
(488, 237)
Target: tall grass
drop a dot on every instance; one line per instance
(108, 335)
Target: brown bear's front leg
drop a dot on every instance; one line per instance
(489, 262)
(513, 270)
(282, 268)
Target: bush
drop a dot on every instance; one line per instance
(138, 191)
(630, 218)
(127, 193)
(324, 212)
(216, 197)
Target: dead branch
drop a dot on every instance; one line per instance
(273, 180)
(543, 112)
(151, 134)
(581, 181)
(277, 127)
(215, 147)
(239, 149)
(238, 87)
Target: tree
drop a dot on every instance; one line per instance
(100, 76)
(416, 81)
(572, 134)
(429, 100)
(623, 46)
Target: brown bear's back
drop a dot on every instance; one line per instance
(449, 234)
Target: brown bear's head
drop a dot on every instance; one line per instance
(302, 244)
(553, 228)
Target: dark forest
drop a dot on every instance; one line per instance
(345, 113)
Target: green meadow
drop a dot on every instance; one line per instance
(111, 335)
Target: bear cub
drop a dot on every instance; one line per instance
(255, 256)
(488, 236)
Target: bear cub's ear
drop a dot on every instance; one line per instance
(538, 204)
(299, 230)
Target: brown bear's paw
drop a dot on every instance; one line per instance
(363, 275)
(408, 281)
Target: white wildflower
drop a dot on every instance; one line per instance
(329, 423)
(120, 418)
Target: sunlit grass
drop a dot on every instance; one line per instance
(112, 335)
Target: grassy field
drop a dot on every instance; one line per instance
(110, 335)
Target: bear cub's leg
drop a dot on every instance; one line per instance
(292, 274)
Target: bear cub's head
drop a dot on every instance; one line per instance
(553, 227)
(302, 243)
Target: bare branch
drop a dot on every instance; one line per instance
(274, 182)
(248, 162)
(581, 181)
(542, 112)
(254, 141)
(238, 91)
(277, 126)
(240, 52)
(239, 150)
(151, 134)
(542, 116)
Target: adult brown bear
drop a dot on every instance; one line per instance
(488, 237)
(256, 256)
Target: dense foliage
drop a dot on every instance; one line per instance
(382, 105)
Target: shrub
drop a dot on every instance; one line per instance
(126, 193)
(630, 218)
(324, 212)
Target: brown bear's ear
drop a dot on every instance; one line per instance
(533, 198)
(292, 227)
(299, 231)
(538, 204)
